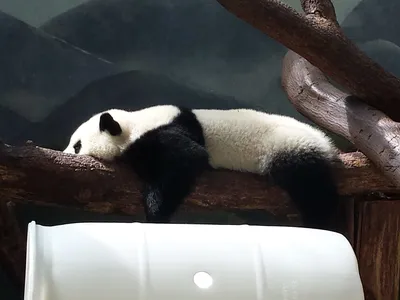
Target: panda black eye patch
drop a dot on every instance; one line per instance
(77, 146)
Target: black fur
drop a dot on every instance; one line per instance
(168, 160)
(307, 178)
(107, 123)
(77, 146)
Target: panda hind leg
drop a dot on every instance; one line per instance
(307, 178)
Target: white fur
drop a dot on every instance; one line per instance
(247, 140)
(236, 139)
(134, 124)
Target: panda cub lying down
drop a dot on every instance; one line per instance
(168, 147)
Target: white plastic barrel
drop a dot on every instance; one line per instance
(134, 261)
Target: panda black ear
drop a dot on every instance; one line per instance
(107, 123)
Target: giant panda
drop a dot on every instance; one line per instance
(168, 147)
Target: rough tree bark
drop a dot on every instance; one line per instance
(370, 130)
(47, 177)
(12, 244)
(318, 38)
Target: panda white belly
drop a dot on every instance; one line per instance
(248, 140)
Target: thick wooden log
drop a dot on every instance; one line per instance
(318, 38)
(370, 130)
(49, 177)
(378, 249)
(12, 245)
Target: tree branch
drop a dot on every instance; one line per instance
(48, 177)
(320, 9)
(12, 244)
(367, 128)
(320, 40)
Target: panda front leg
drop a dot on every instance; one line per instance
(156, 208)
(181, 162)
(163, 196)
(161, 200)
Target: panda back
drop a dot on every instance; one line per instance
(249, 140)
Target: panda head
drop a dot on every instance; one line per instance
(104, 136)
